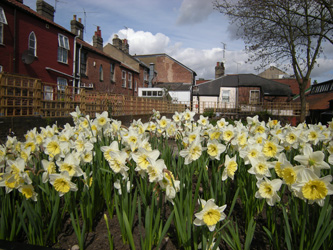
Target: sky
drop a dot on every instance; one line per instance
(190, 31)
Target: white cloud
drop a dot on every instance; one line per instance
(194, 11)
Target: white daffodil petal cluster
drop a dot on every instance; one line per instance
(299, 157)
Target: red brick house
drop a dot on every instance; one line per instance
(320, 99)
(33, 45)
(168, 69)
(133, 72)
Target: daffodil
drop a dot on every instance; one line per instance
(170, 185)
(210, 215)
(117, 162)
(260, 168)
(28, 192)
(268, 190)
(71, 165)
(313, 160)
(155, 170)
(230, 167)
(215, 149)
(49, 168)
(143, 158)
(312, 188)
(271, 149)
(62, 183)
(193, 152)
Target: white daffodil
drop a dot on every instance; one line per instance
(117, 162)
(271, 149)
(210, 215)
(62, 183)
(113, 147)
(155, 170)
(228, 133)
(203, 121)
(143, 158)
(118, 185)
(313, 160)
(260, 167)
(71, 165)
(215, 149)
(49, 168)
(222, 123)
(312, 188)
(193, 152)
(170, 185)
(177, 117)
(268, 190)
(230, 167)
(102, 120)
(188, 115)
(28, 192)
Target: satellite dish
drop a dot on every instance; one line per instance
(27, 58)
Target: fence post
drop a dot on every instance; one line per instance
(37, 94)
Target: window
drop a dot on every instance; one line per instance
(48, 93)
(254, 96)
(145, 75)
(32, 44)
(135, 85)
(101, 78)
(3, 19)
(1, 33)
(83, 66)
(130, 80)
(112, 72)
(144, 93)
(62, 83)
(123, 77)
(63, 48)
(226, 96)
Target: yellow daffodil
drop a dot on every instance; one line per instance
(268, 190)
(210, 215)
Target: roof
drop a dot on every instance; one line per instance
(163, 54)
(36, 14)
(95, 50)
(174, 86)
(268, 87)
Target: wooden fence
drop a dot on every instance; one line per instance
(26, 96)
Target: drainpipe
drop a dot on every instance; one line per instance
(15, 28)
(74, 65)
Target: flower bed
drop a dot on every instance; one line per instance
(174, 183)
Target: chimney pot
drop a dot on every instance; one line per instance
(80, 20)
(74, 17)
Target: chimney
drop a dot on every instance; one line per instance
(151, 75)
(45, 9)
(116, 41)
(98, 40)
(77, 27)
(125, 46)
(219, 70)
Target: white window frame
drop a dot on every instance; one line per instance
(130, 80)
(3, 18)
(123, 77)
(136, 85)
(101, 73)
(252, 100)
(1, 32)
(63, 48)
(62, 83)
(48, 93)
(226, 96)
(112, 72)
(32, 44)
